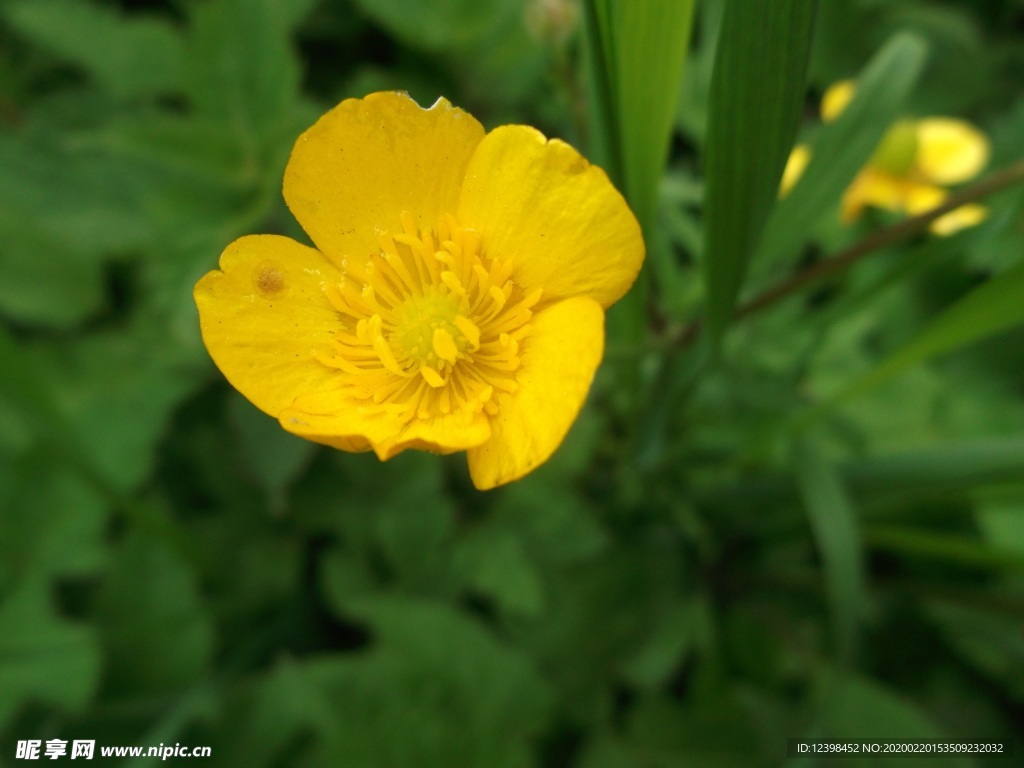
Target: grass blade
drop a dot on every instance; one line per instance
(943, 547)
(834, 524)
(643, 47)
(757, 93)
(842, 148)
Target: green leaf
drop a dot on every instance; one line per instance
(991, 643)
(442, 24)
(42, 657)
(435, 690)
(943, 547)
(151, 621)
(990, 308)
(834, 524)
(598, 613)
(66, 210)
(667, 649)
(242, 69)
(46, 278)
(557, 524)
(939, 469)
(130, 56)
(714, 730)
(1002, 524)
(48, 181)
(273, 457)
(842, 148)
(28, 390)
(270, 726)
(197, 148)
(643, 47)
(52, 522)
(498, 566)
(117, 395)
(394, 515)
(756, 97)
(861, 708)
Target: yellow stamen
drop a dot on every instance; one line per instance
(432, 326)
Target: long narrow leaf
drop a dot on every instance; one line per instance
(836, 533)
(842, 148)
(757, 93)
(638, 51)
(945, 547)
(644, 48)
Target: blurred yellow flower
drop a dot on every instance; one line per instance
(795, 165)
(910, 168)
(455, 298)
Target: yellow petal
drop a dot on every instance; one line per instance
(836, 98)
(559, 359)
(876, 188)
(264, 317)
(920, 198)
(959, 218)
(340, 420)
(558, 218)
(367, 160)
(950, 151)
(795, 166)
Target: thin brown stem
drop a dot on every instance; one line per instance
(1007, 177)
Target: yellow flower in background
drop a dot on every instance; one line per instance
(911, 167)
(455, 297)
(795, 166)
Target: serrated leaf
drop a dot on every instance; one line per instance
(151, 621)
(990, 308)
(77, 195)
(51, 521)
(117, 395)
(242, 69)
(441, 24)
(129, 55)
(498, 566)
(42, 657)
(45, 279)
(28, 390)
(273, 457)
(435, 690)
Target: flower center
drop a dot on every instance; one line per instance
(432, 326)
(425, 330)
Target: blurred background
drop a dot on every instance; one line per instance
(688, 582)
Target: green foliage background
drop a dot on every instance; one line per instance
(815, 528)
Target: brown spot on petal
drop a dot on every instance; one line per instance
(269, 278)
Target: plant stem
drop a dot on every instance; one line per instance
(1007, 177)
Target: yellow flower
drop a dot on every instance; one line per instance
(837, 97)
(795, 166)
(455, 298)
(910, 168)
